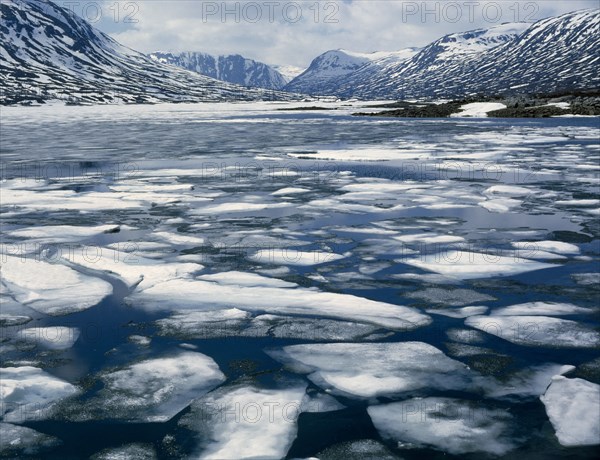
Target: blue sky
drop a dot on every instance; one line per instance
(294, 32)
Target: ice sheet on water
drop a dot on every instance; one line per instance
(51, 288)
(294, 257)
(52, 338)
(290, 191)
(210, 294)
(528, 382)
(472, 265)
(130, 267)
(587, 279)
(465, 335)
(542, 309)
(245, 421)
(573, 407)
(541, 331)
(153, 390)
(376, 369)
(29, 393)
(450, 297)
(236, 278)
(18, 440)
(46, 234)
(127, 452)
(450, 425)
(363, 449)
(557, 247)
(12, 313)
(237, 323)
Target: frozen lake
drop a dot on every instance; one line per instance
(228, 280)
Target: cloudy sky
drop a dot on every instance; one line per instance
(294, 32)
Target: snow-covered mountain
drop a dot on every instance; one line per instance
(289, 72)
(551, 55)
(326, 70)
(48, 52)
(232, 68)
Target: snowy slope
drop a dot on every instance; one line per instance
(47, 52)
(555, 54)
(232, 68)
(326, 70)
(289, 72)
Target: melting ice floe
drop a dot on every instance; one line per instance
(246, 421)
(541, 308)
(294, 257)
(573, 406)
(52, 338)
(472, 265)
(451, 425)
(153, 390)
(29, 393)
(540, 331)
(135, 451)
(53, 289)
(209, 294)
(17, 440)
(383, 368)
(237, 323)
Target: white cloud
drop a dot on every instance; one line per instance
(273, 32)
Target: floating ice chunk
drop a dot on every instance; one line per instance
(465, 335)
(290, 191)
(573, 407)
(478, 109)
(133, 269)
(557, 247)
(282, 256)
(201, 294)
(541, 308)
(233, 207)
(320, 402)
(236, 323)
(460, 350)
(451, 297)
(527, 382)
(429, 238)
(156, 389)
(140, 340)
(235, 278)
(587, 279)
(179, 238)
(451, 425)
(290, 327)
(53, 289)
(128, 452)
(205, 324)
(18, 440)
(500, 204)
(52, 338)
(29, 393)
(364, 449)
(540, 331)
(510, 190)
(246, 422)
(62, 233)
(374, 369)
(577, 203)
(472, 265)
(459, 312)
